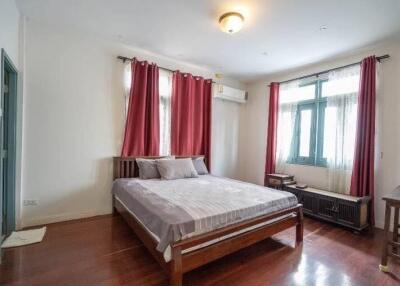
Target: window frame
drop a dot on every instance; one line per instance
(318, 106)
(297, 158)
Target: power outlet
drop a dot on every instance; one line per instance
(30, 203)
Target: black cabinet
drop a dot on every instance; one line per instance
(327, 207)
(341, 209)
(307, 201)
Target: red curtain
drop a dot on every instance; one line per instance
(142, 129)
(272, 129)
(191, 116)
(362, 179)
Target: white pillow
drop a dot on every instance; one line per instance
(176, 169)
(148, 167)
(200, 166)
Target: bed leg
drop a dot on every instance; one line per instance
(114, 209)
(175, 278)
(299, 227)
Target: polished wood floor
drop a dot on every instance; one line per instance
(104, 251)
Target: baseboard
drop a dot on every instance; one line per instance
(63, 217)
(77, 215)
(380, 224)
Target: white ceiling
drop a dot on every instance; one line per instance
(287, 30)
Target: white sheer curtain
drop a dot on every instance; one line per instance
(341, 93)
(165, 88)
(286, 123)
(127, 84)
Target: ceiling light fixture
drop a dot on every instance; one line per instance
(231, 22)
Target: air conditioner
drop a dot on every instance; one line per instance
(228, 93)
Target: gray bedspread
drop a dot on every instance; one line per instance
(178, 209)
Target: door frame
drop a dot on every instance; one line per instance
(8, 65)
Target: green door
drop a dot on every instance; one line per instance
(8, 112)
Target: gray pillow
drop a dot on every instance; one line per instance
(200, 166)
(176, 169)
(148, 167)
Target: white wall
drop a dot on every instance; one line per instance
(9, 29)
(225, 138)
(74, 121)
(253, 147)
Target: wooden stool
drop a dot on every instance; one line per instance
(392, 200)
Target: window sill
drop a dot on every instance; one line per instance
(322, 166)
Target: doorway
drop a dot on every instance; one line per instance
(8, 115)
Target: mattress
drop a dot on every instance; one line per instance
(173, 210)
(167, 252)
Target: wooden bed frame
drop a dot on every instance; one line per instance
(184, 262)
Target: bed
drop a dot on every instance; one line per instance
(187, 223)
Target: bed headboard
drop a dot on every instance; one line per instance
(126, 167)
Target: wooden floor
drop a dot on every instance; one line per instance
(104, 251)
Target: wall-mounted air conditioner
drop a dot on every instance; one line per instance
(228, 93)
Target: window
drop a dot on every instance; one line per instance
(318, 116)
(127, 85)
(165, 90)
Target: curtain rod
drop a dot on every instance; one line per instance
(124, 59)
(329, 70)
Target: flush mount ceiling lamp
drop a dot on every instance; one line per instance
(231, 22)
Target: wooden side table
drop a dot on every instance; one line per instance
(278, 181)
(392, 201)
